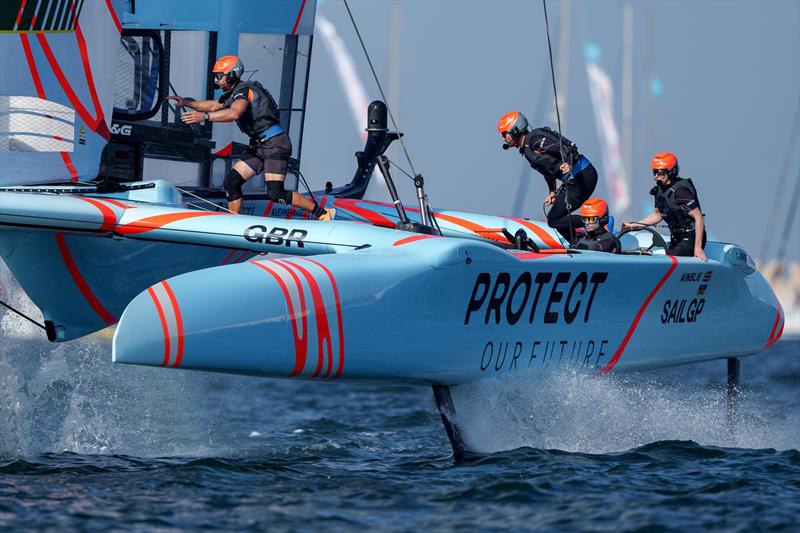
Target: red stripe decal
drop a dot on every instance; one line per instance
(290, 212)
(74, 14)
(225, 152)
(242, 257)
(299, 16)
(179, 322)
(164, 328)
(613, 362)
(323, 331)
(340, 368)
(114, 16)
(96, 124)
(73, 172)
(477, 229)
(413, 238)
(267, 209)
(227, 257)
(371, 216)
(158, 221)
(300, 342)
(87, 293)
(527, 256)
(539, 232)
(26, 47)
(109, 217)
(774, 327)
(117, 203)
(19, 15)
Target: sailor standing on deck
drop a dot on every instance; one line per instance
(677, 205)
(556, 158)
(255, 112)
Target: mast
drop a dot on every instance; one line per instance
(563, 59)
(627, 97)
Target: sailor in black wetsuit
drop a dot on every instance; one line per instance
(556, 158)
(594, 213)
(256, 113)
(676, 204)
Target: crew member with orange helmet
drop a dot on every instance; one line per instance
(254, 110)
(556, 158)
(676, 203)
(594, 214)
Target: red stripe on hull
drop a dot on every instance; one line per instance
(300, 342)
(323, 331)
(109, 217)
(178, 320)
(164, 328)
(336, 297)
(613, 362)
(83, 287)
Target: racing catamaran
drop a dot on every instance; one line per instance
(384, 292)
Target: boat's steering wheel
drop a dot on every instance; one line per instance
(658, 240)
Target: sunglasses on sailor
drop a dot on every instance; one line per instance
(591, 220)
(219, 75)
(660, 172)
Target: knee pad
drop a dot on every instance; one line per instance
(277, 193)
(233, 185)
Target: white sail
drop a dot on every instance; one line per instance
(56, 93)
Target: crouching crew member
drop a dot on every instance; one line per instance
(556, 158)
(256, 113)
(676, 204)
(594, 214)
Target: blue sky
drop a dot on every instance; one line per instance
(730, 73)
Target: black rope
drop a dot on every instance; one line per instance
(23, 315)
(558, 118)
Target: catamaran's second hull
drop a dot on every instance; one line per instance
(451, 311)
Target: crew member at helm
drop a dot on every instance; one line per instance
(676, 204)
(255, 112)
(556, 158)
(594, 214)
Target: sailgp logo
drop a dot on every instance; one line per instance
(315, 313)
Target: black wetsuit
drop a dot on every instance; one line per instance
(582, 179)
(673, 204)
(603, 241)
(270, 148)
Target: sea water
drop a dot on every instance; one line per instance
(87, 444)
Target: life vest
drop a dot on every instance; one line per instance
(671, 212)
(548, 163)
(261, 114)
(604, 242)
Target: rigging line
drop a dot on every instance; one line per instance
(558, 118)
(184, 191)
(398, 167)
(377, 81)
(787, 228)
(23, 315)
(790, 151)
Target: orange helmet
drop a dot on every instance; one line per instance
(665, 161)
(514, 123)
(594, 213)
(229, 67)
